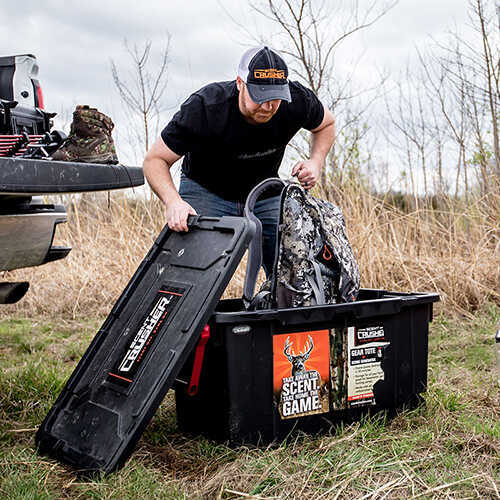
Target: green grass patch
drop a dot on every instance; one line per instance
(448, 447)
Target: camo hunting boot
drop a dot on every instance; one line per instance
(90, 139)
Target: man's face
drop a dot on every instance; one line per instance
(253, 112)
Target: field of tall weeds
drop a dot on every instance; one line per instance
(446, 247)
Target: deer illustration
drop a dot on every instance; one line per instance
(298, 360)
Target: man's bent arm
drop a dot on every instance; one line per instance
(323, 137)
(157, 163)
(308, 171)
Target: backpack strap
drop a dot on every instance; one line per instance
(316, 282)
(262, 300)
(255, 249)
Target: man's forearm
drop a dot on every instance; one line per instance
(159, 159)
(321, 142)
(157, 173)
(309, 171)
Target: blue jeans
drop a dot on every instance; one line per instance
(207, 203)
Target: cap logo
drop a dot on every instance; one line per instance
(269, 73)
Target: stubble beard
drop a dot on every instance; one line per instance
(254, 117)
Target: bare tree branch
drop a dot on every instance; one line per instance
(143, 93)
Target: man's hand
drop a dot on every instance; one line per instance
(307, 172)
(322, 136)
(177, 215)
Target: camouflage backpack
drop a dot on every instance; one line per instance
(314, 262)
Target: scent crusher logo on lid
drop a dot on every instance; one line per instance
(165, 301)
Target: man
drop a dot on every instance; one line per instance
(232, 136)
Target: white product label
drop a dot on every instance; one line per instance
(365, 352)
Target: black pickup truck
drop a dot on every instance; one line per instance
(27, 224)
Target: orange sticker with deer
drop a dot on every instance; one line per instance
(301, 373)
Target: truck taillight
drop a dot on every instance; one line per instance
(38, 94)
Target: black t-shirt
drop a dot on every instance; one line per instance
(226, 154)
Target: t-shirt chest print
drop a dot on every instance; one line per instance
(261, 142)
(258, 154)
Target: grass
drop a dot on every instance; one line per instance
(447, 448)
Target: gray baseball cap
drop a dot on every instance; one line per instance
(266, 75)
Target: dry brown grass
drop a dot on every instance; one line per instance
(454, 251)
